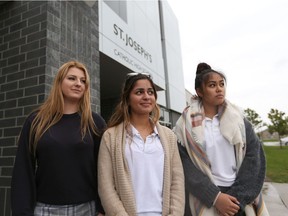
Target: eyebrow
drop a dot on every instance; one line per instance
(76, 76)
(140, 88)
(222, 80)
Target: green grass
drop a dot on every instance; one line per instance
(277, 163)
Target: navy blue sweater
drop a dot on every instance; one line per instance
(64, 169)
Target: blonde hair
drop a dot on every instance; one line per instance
(122, 110)
(51, 111)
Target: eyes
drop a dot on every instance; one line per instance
(142, 91)
(74, 78)
(214, 84)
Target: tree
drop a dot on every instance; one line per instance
(279, 123)
(254, 118)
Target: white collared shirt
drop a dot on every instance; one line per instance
(146, 165)
(220, 153)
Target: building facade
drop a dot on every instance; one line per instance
(112, 38)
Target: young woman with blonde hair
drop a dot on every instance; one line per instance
(55, 167)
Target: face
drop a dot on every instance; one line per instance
(142, 98)
(73, 85)
(213, 91)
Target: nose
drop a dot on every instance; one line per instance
(78, 82)
(219, 88)
(146, 95)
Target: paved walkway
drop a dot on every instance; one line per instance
(276, 198)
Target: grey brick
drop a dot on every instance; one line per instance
(8, 104)
(7, 171)
(27, 101)
(19, 10)
(12, 36)
(31, 13)
(36, 36)
(14, 94)
(29, 109)
(6, 161)
(54, 8)
(35, 71)
(16, 59)
(4, 15)
(17, 42)
(9, 86)
(43, 25)
(34, 4)
(39, 89)
(20, 121)
(2, 98)
(2, 79)
(42, 79)
(13, 112)
(28, 82)
(5, 181)
(13, 20)
(18, 26)
(11, 132)
(4, 31)
(29, 64)
(3, 63)
(11, 52)
(4, 46)
(30, 30)
(2, 200)
(37, 19)
(8, 122)
(43, 42)
(15, 76)
(36, 53)
(30, 46)
(8, 201)
(10, 69)
(43, 60)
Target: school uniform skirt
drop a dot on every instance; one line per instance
(84, 209)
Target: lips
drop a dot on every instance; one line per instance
(220, 96)
(146, 104)
(76, 90)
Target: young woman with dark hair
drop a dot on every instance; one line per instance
(223, 159)
(139, 168)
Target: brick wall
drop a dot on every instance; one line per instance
(36, 37)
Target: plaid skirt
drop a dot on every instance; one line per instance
(84, 209)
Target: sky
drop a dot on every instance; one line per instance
(247, 40)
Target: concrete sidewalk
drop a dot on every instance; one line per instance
(276, 198)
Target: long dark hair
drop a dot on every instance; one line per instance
(203, 73)
(122, 110)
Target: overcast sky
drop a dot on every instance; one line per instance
(245, 39)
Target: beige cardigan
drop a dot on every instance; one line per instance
(114, 180)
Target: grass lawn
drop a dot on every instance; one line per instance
(277, 163)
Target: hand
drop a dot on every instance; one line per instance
(227, 205)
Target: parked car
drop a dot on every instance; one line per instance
(284, 140)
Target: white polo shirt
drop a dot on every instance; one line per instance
(220, 153)
(146, 165)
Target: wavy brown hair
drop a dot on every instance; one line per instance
(51, 111)
(122, 110)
